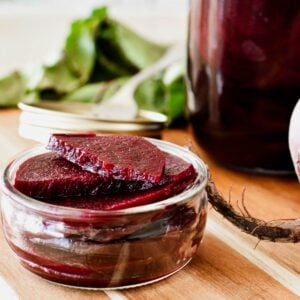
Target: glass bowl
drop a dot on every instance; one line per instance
(105, 249)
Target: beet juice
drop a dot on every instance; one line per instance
(244, 80)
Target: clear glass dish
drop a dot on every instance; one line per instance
(105, 249)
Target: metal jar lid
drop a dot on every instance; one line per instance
(38, 120)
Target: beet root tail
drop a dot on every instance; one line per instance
(284, 231)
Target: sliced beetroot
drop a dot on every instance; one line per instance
(177, 169)
(121, 201)
(49, 175)
(113, 157)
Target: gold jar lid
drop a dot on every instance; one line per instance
(38, 120)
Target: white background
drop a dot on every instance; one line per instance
(31, 31)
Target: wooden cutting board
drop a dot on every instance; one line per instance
(228, 265)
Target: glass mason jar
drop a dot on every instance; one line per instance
(244, 80)
(105, 249)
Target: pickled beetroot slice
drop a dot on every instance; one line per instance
(176, 168)
(112, 157)
(121, 201)
(49, 175)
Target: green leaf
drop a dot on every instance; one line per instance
(98, 57)
(150, 95)
(164, 93)
(122, 52)
(109, 57)
(138, 51)
(12, 89)
(175, 91)
(86, 94)
(176, 100)
(99, 12)
(76, 63)
(58, 77)
(80, 49)
(112, 68)
(32, 97)
(95, 92)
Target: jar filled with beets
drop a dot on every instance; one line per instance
(104, 211)
(244, 80)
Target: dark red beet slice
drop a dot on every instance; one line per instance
(121, 201)
(49, 175)
(112, 157)
(177, 169)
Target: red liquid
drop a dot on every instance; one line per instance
(156, 249)
(244, 75)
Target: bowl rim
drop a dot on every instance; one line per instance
(199, 184)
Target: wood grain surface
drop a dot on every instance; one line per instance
(227, 265)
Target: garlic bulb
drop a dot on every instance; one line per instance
(294, 138)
